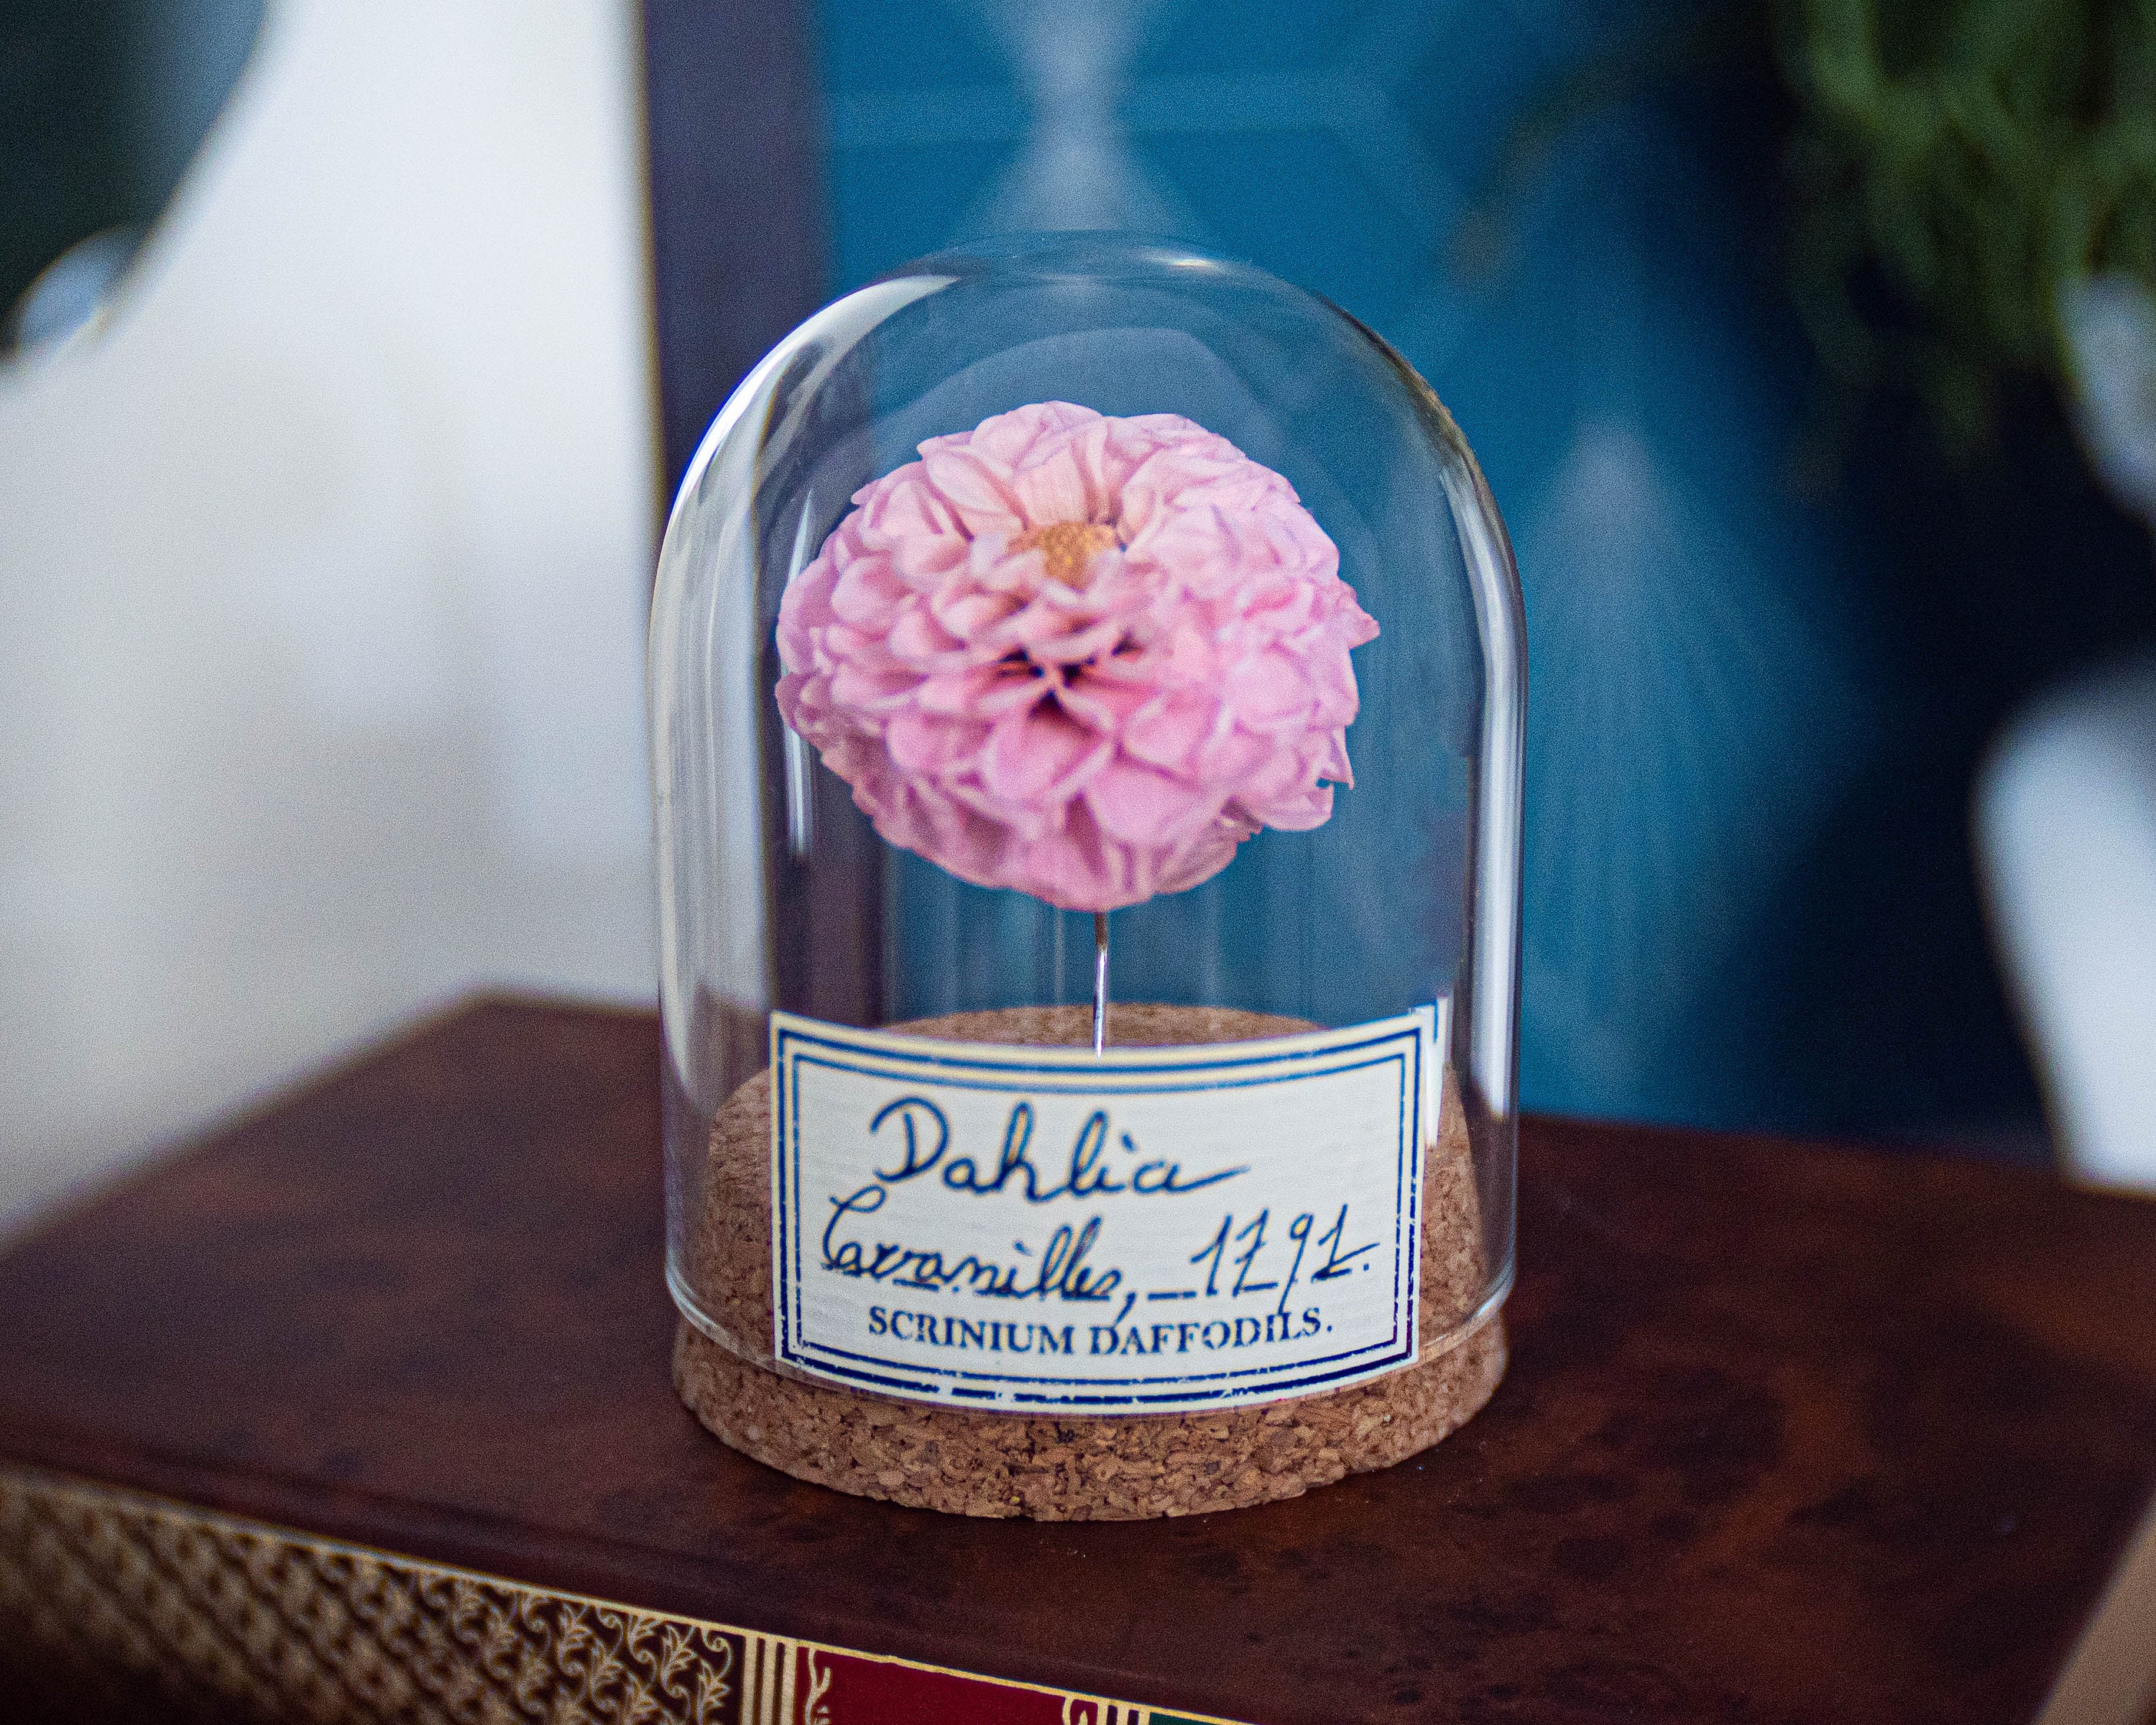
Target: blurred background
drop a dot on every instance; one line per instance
(1806, 344)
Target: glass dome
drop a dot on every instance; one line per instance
(1065, 623)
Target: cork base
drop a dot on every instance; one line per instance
(1070, 1468)
(1077, 1470)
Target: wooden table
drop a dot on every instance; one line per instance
(1790, 1434)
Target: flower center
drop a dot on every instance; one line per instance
(1066, 547)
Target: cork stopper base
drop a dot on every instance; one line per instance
(1070, 1468)
(1117, 1470)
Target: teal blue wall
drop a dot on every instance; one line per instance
(1733, 915)
(102, 104)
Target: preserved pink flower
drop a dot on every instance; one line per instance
(1081, 656)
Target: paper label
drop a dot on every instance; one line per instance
(1152, 1230)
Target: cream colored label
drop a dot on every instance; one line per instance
(1150, 1230)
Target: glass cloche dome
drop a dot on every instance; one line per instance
(1086, 699)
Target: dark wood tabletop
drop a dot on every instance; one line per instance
(1790, 1433)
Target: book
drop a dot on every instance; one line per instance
(361, 1409)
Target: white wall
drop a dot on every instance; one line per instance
(323, 581)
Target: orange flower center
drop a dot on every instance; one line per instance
(1067, 547)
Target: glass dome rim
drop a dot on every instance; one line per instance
(967, 262)
(1167, 252)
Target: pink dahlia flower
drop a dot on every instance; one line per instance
(1081, 656)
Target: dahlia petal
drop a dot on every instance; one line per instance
(1106, 705)
(1041, 756)
(1202, 857)
(1280, 777)
(918, 638)
(1332, 759)
(1071, 646)
(806, 608)
(1074, 867)
(1268, 688)
(1135, 803)
(978, 492)
(788, 694)
(1092, 445)
(1283, 605)
(1169, 732)
(969, 615)
(868, 593)
(1296, 814)
(930, 743)
(1017, 687)
(905, 507)
(796, 645)
(1189, 658)
(1336, 706)
(861, 761)
(992, 567)
(1008, 439)
(1052, 489)
(981, 690)
(864, 650)
(926, 559)
(1230, 755)
(867, 691)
